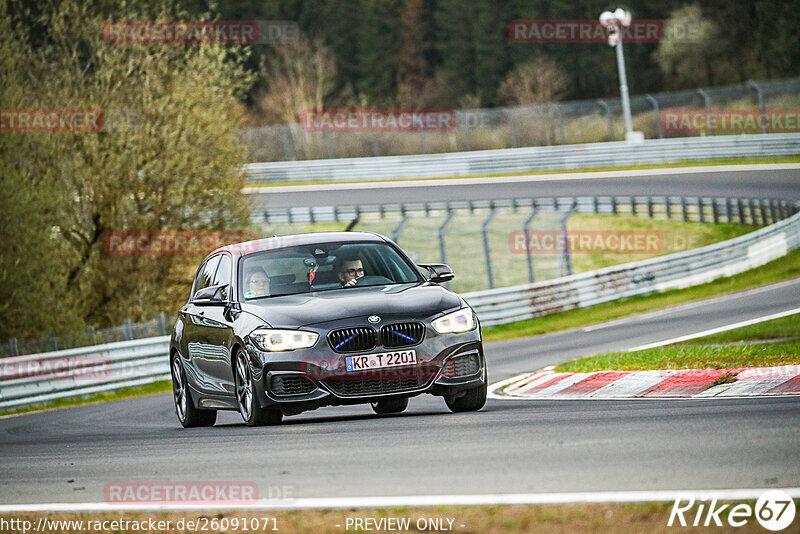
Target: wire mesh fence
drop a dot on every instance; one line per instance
(584, 121)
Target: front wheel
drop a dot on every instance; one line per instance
(390, 406)
(252, 412)
(472, 401)
(188, 415)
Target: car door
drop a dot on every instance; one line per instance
(217, 324)
(201, 328)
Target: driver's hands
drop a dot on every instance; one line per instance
(351, 283)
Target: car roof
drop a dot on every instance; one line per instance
(277, 242)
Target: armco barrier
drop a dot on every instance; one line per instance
(683, 269)
(513, 160)
(28, 379)
(66, 373)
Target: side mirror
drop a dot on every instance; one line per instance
(438, 272)
(211, 296)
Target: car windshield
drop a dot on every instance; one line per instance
(322, 267)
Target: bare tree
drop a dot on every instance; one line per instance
(537, 81)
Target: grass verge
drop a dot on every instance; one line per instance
(156, 388)
(676, 164)
(774, 271)
(766, 344)
(621, 518)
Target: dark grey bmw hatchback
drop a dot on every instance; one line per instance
(282, 325)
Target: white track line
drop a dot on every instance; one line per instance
(410, 500)
(716, 330)
(596, 175)
(689, 305)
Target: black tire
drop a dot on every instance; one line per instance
(188, 415)
(389, 406)
(252, 412)
(472, 401)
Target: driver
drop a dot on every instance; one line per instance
(349, 270)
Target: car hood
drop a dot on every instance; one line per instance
(307, 309)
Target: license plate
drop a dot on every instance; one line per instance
(378, 361)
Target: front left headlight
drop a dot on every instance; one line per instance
(457, 322)
(273, 340)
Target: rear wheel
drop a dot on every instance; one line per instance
(390, 405)
(188, 415)
(252, 412)
(472, 401)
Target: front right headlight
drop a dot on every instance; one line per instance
(457, 322)
(272, 340)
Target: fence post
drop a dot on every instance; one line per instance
(609, 118)
(761, 107)
(465, 126)
(773, 211)
(657, 113)
(162, 324)
(512, 128)
(566, 258)
(742, 218)
(330, 144)
(614, 205)
(13, 346)
(92, 333)
(487, 251)
(286, 140)
(53, 340)
(560, 117)
(707, 100)
(442, 230)
(668, 207)
(701, 209)
(715, 210)
(763, 212)
(633, 206)
(399, 228)
(650, 207)
(526, 229)
(128, 326)
(423, 147)
(684, 210)
(373, 139)
(729, 209)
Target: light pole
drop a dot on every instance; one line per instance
(613, 21)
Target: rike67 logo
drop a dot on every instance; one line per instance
(774, 510)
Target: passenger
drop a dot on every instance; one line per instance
(256, 284)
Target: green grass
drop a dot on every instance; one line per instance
(774, 271)
(690, 357)
(156, 388)
(677, 164)
(783, 328)
(767, 344)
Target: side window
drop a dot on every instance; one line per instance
(223, 275)
(206, 274)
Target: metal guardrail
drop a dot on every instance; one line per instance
(26, 380)
(514, 160)
(36, 378)
(683, 269)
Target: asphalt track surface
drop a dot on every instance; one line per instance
(779, 182)
(510, 446)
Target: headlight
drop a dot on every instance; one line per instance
(281, 340)
(454, 323)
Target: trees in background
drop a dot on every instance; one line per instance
(166, 159)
